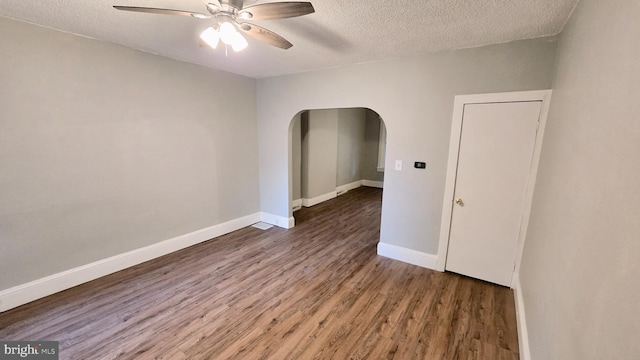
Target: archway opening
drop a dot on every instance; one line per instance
(333, 151)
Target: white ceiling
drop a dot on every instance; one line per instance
(340, 32)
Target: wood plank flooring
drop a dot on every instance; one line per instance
(317, 291)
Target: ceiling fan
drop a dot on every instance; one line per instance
(230, 15)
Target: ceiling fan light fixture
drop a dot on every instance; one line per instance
(239, 42)
(227, 33)
(211, 37)
(228, 16)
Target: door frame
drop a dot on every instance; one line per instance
(452, 165)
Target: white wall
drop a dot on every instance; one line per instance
(580, 269)
(104, 149)
(414, 96)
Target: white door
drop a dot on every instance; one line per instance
(494, 161)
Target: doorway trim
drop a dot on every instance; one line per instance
(454, 145)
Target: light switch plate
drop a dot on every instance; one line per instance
(398, 165)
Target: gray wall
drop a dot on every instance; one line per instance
(319, 152)
(369, 163)
(581, 264)
(350, 145)
(415, 97)
(104, 149)
(296, 156)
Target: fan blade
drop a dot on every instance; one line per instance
(233, 3)
(265, 35)
(279, 10)
(162, 11)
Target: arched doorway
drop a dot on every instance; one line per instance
(333, 151)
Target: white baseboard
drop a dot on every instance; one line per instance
(318, 199)
(344, 188)
(279, 221)
(339, 191)
(371, 183)
(296, 204)
(407, 255)
(523, 334)
(22, 294)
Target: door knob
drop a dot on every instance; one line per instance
(459, 202)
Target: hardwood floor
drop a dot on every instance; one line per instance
(317, 291)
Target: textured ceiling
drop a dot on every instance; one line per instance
(340, 32)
